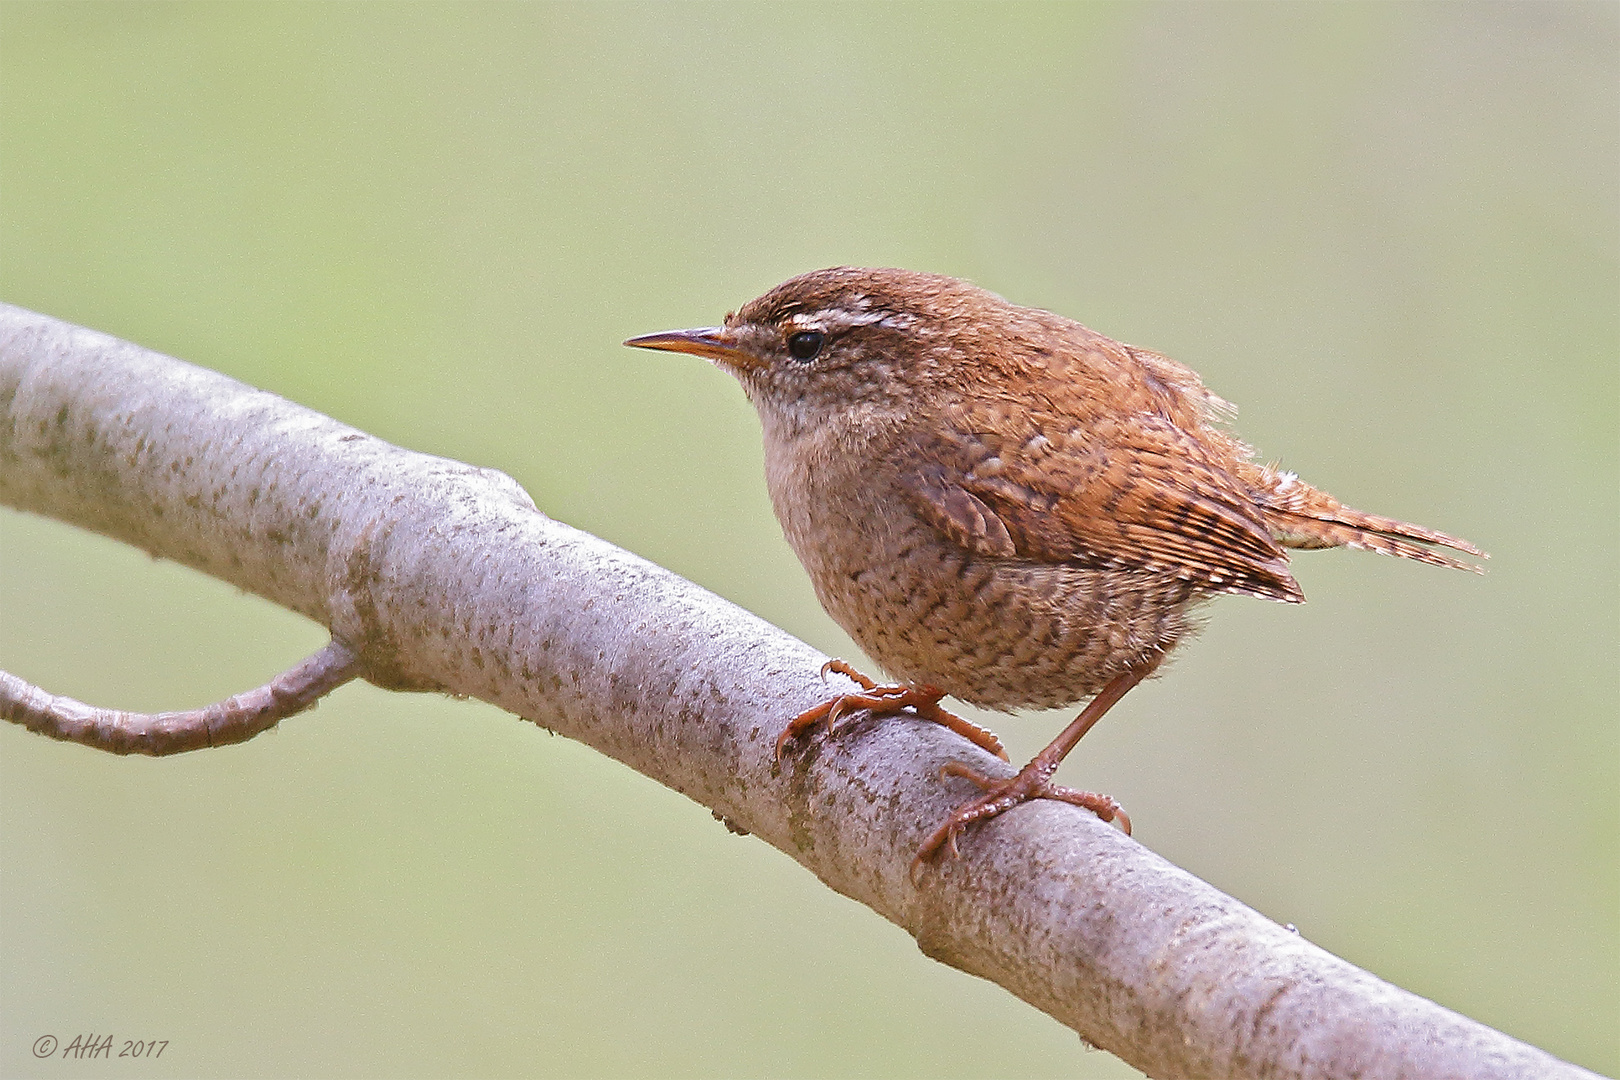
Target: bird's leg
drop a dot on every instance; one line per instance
(890, 700)
(1034, 780)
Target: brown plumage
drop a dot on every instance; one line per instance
(1002, 505)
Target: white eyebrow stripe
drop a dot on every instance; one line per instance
(828, 320)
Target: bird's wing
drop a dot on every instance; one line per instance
(1127, 492)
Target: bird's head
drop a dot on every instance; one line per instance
(850, 339)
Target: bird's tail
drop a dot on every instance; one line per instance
(1300, 516)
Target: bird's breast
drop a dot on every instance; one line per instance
(1003, 633)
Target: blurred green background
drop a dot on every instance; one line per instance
(1388, 231)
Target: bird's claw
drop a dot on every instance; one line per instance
(888, 700)
(1002, 795)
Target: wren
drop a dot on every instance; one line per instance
(1004, 506)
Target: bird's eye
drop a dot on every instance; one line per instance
(806, 345)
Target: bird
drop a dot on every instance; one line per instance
(1001, 505)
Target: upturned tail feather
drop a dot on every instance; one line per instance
(1300, 516)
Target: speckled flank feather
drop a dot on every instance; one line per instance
(1301, 516)
(1138, 494)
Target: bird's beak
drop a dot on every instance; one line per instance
(712, 342)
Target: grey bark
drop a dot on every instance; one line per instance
(444, 577)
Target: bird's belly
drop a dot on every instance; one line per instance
(998, 633)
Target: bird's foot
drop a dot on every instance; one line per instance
(889, 700)
(1032, 782)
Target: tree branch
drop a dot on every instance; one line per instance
(441, 576)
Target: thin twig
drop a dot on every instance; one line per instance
(236, 719)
